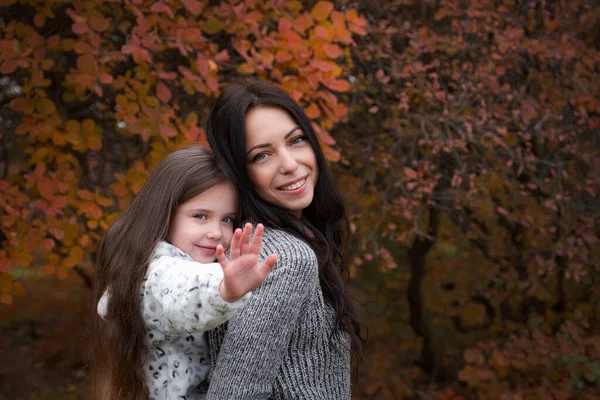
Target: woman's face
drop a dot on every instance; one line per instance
(281, 162)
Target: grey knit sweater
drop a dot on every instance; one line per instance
(279, 346)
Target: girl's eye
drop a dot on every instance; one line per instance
(228, 220)
(200, 216)
(259, 156)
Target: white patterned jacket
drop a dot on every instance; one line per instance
(180, 301)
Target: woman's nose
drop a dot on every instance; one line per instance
(288, 163)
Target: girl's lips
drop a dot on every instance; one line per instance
(208, 249)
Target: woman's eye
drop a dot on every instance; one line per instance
(200, 216)
(298, 139)
(228, 220)
(259, 156)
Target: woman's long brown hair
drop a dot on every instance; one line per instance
(123, 258)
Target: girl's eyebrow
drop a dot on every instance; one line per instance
(260, 146)
(196, 210)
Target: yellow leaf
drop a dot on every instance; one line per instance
(87, 64)
(321, 10)
(212, 26)
(23, 259)
(245, 69)
(88, 126)
(94, 143)
(84, 241)
(72, 126)
(45, 106)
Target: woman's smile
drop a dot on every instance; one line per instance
(281, 161)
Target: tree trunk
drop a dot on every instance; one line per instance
(431, 361)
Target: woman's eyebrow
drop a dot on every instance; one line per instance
(259, 146)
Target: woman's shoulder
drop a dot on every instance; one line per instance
(287, 246)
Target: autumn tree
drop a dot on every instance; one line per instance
(481, 159)
(94, 93)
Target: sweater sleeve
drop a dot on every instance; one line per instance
(179, 295)
(258, 337)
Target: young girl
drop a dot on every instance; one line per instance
(154, 300)
(261, 136)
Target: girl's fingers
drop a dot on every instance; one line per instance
(269, 263)
(235, 244)
(221, 256)
(257, 240)
(245, 240)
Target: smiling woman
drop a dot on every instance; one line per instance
(294, 337)
(281, 162)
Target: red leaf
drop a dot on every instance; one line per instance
(503, 211)
(193, 6)
(202, 65)
(166, 75)
(167, 131)
(212, 83)
(332, 50)
(312, 111)
(285, 26)
(163, 92)
(85, 194)
(8, 67)
(4, 265)
(79, 28)
(338, 85)
(410, 173)
(162, 7)
(325, 137)
(105, 78)
(282, 56)
(39, 20)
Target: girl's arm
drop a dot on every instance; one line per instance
(183, 296)
(257, 336)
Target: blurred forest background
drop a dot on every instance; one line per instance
(465, 134)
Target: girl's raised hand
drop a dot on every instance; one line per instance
(242, 273)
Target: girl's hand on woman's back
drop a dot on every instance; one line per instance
(242, 273)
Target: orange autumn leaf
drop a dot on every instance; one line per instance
(163, 92)
(321, 10)
(312, 111)
(332, 50)
(338, 85)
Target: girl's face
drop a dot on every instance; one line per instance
(205, 221)
(281, 162)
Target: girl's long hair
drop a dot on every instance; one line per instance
(325, 217)
(123, 258)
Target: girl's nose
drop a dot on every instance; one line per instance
(215, 232)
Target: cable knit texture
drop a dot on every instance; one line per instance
(180, 301)
(279, 346)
